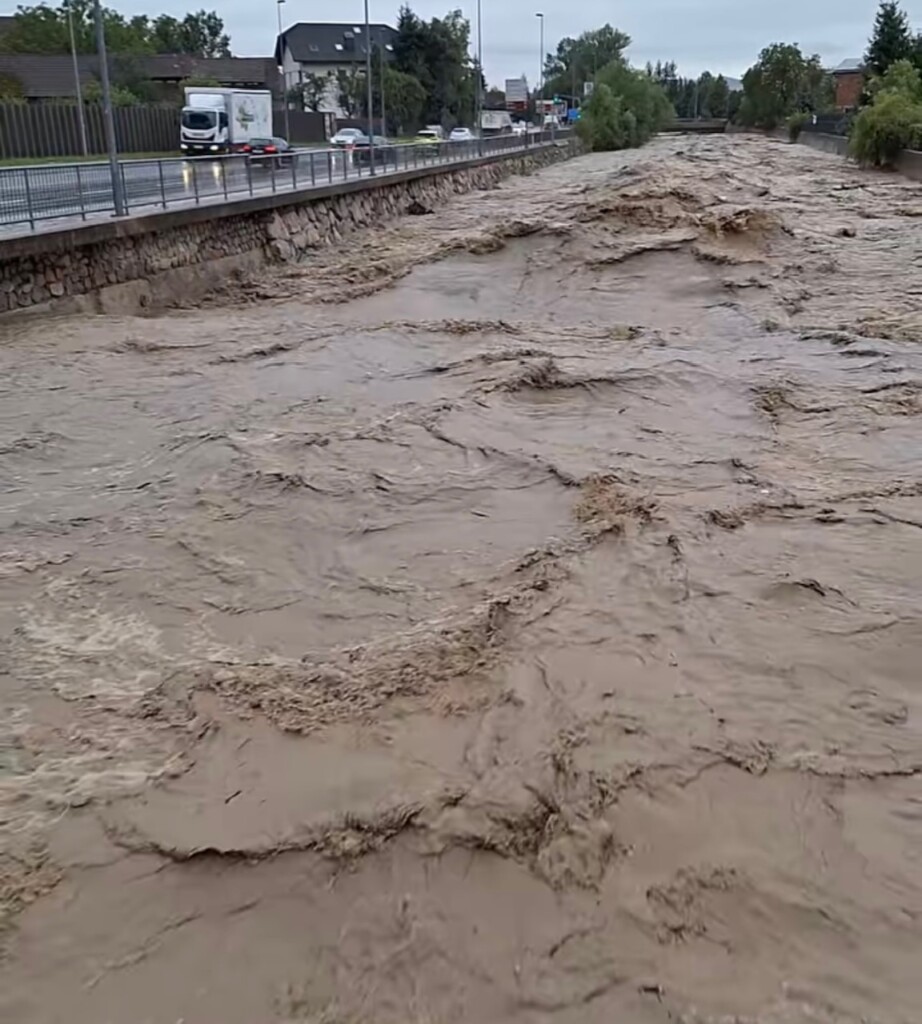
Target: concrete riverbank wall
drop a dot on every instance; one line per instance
(177, 255)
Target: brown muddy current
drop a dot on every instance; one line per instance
(511, 616)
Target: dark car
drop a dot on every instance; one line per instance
(266, 152)
(385, 152)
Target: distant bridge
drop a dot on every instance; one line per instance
(701, 125)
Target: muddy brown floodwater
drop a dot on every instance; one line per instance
(514, 617)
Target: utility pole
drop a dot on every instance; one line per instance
(479, 105)
(383, 100)
(118, 194)
(371, 123)
(284, 78)
(540, 18)
(78, 91)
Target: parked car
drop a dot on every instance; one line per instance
(429, 136)
(266, 152)
(384, 151)
(519, 128)
(461, 135)
(346, 137)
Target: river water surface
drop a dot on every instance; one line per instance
(512, 617)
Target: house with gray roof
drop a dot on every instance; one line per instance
(50, 76)
(848, 78)
(322, 50)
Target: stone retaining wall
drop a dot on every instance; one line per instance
(176, 256)
(908, 163)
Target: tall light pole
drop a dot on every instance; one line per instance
(118, 194)
(540, 18)
(284, 78)
(383, 101)
(479, 106)
(368, 91)
(78, 91)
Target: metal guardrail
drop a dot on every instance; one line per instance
(829, 124)
(45, 192)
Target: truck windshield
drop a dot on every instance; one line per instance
(198, 120)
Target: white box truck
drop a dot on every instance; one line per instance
(495, 122)
(224, 120)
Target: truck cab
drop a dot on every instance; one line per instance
(205, 124)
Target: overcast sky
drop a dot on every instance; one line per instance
(723, 36)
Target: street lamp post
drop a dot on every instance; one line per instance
(118, 194)
(540, 18)
(368, 91)
(479, 105)
(284, 78)
(78, 91)
(383, 101)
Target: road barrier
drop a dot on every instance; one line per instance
(37, 194)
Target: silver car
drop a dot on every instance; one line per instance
(347, 137)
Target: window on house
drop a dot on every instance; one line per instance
(357, 31)
(339, 46)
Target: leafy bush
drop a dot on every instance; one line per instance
(10, 89)
(892, 123)
(901, 77)
(121, 97)
(796, 123)
(625, 110)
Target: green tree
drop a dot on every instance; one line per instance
(313, 90)
(891, 40)
(604, 124)
(901, 77)
(404, 99)
(11, 90)
(719, 97)
(436, 54)
(350, 85)
(44, 29)
(893, 121)
(780, 83)
(203, 35)
(577, 61)
(626, 109)
(121, 97)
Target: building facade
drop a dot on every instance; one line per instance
(849, 82)
(322, 58)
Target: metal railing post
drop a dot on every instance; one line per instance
(313, 172)
(330, 165)
(195, 182)
(224, 174)
(272, 174)
(25, 174)
(80, 193)
(249, 167)
(294, 171)
(162, 184)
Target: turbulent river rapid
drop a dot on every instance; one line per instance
(513, 614)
